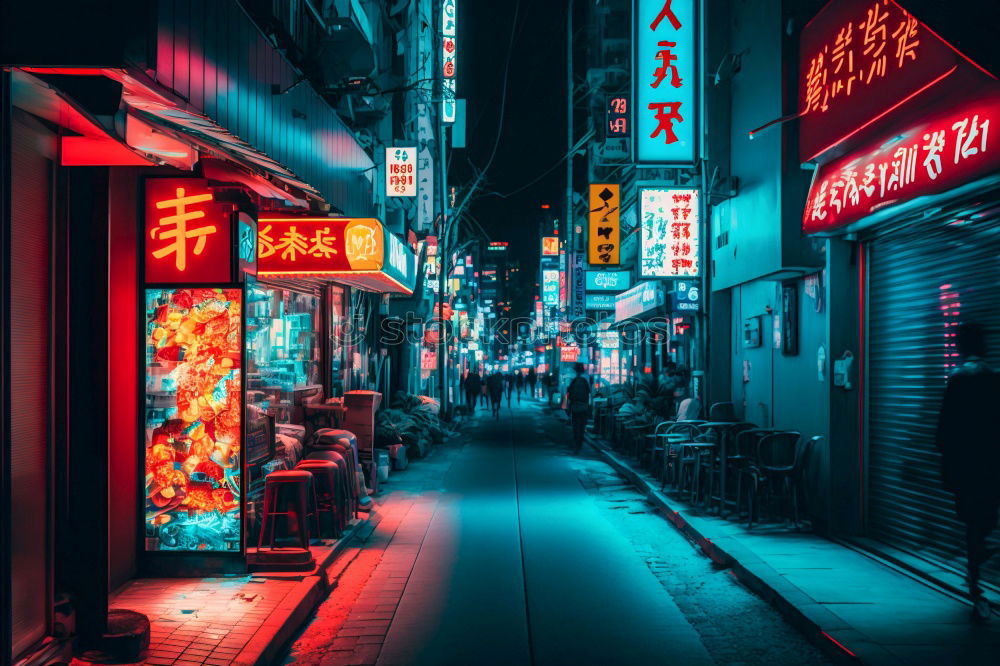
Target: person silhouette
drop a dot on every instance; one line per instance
(969, 442)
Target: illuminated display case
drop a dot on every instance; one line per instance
(193, 411)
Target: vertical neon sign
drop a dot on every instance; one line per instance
(449, 62)
(664, 75)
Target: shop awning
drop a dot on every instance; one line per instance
(358, 252)
(643, 301)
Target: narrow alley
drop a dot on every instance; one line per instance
(502, 548)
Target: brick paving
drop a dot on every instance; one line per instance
(204, 620)
(350, 627)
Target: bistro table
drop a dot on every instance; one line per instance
(720, 428)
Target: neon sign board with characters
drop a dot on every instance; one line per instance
(671, 232)
(945, 150)
(665, 79)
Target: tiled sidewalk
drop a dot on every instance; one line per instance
(872, 612)
(203, 621)
(351, 625)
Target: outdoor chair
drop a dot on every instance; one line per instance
(777, 456)
(290, 495)
(722, 411)
(711, 462)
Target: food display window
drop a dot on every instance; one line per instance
(193, 412)
(284, 349)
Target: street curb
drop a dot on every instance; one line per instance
(836, 638)
(287, 618)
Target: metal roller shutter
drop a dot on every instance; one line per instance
(924, 276)
(30, 303)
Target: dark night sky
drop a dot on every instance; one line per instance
(534, 129)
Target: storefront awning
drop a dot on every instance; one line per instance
(643, 301)
(359, 252)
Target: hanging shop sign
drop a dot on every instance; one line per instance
(425, 168)
(401, 172)
(569, 354)
(670, 232)
(604, 218)
(686, 296)
(449, 60)
(497, 246)
(188, 235)
(428, 359)
(579, 285)
(666, 82)
(859, 60)
(951, 147)
(604, 302)
(608, 280)
(550, 287)
(550, 246)
(355, 251)
(617, 125)
(638, 300)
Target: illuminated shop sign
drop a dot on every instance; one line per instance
(670, 229)
(357, 251)
(401, 172)
(550, 246)
(187, 233)
(604, 222)
(569, 354)
(617, 116)
(686, 296)
(449, 62)
(946, 150)
(194, 344)
(608, 280)
(666, 81)
(550, 287)
(639, 299)
(497, 246)
(859, 59)
(600, 302)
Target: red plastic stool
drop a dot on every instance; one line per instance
(288, 493)
(329, 498)
(348, 476)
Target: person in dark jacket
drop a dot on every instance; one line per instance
(473, 387)
(519, 384)
(532, 380)
(509, 386)
(969, 442)
(578, 405)
(494, 384)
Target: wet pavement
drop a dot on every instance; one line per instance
(501, 548)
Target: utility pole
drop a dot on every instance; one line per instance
(568, 215)
(443, 236)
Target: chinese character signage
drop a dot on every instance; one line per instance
(550, 287)
(604, 220)
(358, 249)
(425, 168)
(550, 246)
(569, 354)
(859, 59)
(188, 233)
(449, 45)
(617, 117)
(948, 149)
(608, 280)
(666, 82)
(579, 284)
(401, 172)
(670, 232)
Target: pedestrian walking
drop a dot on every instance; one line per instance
(509, 386)
(519, 385)
(577, 403)
(552, 385)
(494, 384)
(532, 380)
(969, 442)
(473, 387)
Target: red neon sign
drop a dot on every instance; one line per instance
(859, 60)
(187, 233)
(942, 152)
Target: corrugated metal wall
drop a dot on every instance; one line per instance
(921, 278)
(212, 54)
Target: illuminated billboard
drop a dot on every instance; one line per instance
(669, 220)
